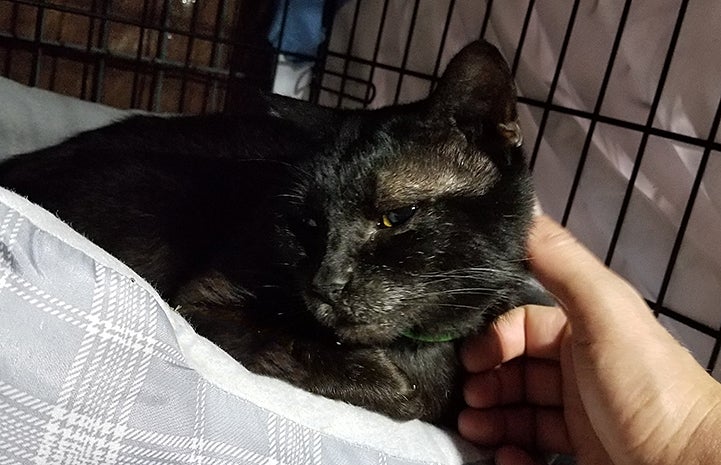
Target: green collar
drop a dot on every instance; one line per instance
(429, 337)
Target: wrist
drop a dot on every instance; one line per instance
(678, 423)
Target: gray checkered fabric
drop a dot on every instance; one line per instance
(91, 373)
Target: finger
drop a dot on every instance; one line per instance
(533, 381)
(511, 455)
(531, 330)
(595, 298)
(531, 428)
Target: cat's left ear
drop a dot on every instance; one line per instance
(318, 120)
(477, 94)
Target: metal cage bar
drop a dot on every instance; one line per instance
(646, 133)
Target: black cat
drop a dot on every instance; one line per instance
(343, 251)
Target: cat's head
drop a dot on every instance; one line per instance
(414, 220)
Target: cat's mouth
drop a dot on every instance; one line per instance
(356, 332)
(364, 325)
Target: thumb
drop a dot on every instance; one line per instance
(614, 356)
(595, 299)
(511, 455)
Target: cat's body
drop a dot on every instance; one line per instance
(312, 243)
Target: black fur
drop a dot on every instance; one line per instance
(266, 228)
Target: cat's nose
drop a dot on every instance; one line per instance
(330, 291)
(330, 279)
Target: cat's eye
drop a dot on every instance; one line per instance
(397, 217)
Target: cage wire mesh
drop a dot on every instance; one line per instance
(194, 56)
(173, 56)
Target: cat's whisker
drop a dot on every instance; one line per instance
(439, 280)
(428, 304)
(468, 291)
(477, 276)
(290, 196)
(458, 271)
(271, 162)
(475, 268)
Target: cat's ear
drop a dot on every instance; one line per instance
(318, 120)
(477, 94)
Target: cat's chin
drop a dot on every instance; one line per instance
(352, 332)
(367, 334)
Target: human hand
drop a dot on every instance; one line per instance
(600, 379)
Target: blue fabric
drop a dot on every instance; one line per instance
(302, 27)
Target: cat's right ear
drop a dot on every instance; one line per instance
(478, 95)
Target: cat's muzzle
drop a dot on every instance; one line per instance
(339, 317)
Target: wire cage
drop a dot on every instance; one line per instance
(179, 56)
(620, 103)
